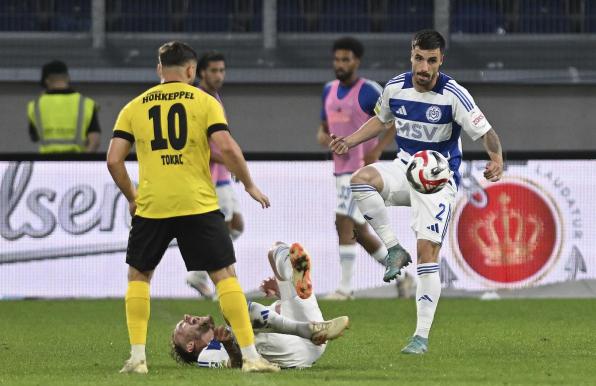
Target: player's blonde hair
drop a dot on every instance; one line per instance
(179, 354)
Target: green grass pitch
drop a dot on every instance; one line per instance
(506, 342)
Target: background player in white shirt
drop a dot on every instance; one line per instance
(291, 332)
(429, 110)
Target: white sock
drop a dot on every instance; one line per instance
(300, 310)
(250, 352)
(427, 297)
(347, 258)
(137, 352)
(372, 207)
(380, 254)
(282, 261)
(286, 290)
(234, 234)
(262, 316)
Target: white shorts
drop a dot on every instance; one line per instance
(290, 351)
(228, 203)
(430, 212)
(346, 205)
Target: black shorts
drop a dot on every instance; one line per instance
(203, 239)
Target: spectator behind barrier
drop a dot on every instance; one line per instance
(62, 120)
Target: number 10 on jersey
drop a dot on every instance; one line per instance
(176, 138)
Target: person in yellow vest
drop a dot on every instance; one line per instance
(61, 119)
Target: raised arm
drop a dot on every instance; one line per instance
(372, 128)
(234, 160)
(494, 168)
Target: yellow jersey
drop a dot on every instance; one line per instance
(170, 125)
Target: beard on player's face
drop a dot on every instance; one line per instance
(424, 78)
(216, 84)
(343, 75)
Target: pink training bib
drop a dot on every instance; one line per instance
(219, 173)
(345, 116)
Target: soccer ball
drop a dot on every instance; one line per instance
(428, 171)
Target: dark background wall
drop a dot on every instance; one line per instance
(284, 117)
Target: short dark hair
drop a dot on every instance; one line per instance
(351, 44)
(180, 355)
(208, 57)
(428, 39)
(176, 54)
(55, 67)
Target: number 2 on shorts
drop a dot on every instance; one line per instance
(440, 214)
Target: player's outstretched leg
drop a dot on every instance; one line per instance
(265, 319)
(397, 258)
(300, 260)
(290, 304)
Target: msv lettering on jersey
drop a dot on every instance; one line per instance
(161, 96)
(421, 132)
(77, 201)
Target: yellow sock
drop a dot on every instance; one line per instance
(234, 308)
(137, 311)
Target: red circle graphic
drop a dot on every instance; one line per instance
(511, 238)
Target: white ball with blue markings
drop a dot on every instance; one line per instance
(428, 171)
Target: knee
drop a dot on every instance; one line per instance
(361, 176)
(368, 175)
(136, 275)
(428, 251)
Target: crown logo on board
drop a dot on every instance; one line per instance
(506, 237)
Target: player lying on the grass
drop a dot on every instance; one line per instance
(291, 332)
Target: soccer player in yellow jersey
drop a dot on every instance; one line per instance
(171, 124)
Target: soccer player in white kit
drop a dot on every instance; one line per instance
(291, 332)
(429, 110)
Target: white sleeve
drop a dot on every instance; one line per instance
(466, 113)
(213, 356)
(382, 108)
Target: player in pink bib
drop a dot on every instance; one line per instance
(211, 70)
(348, 103)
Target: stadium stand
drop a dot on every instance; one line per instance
(299, 16)
(557, 33)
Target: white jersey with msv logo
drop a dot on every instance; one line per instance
(431, 120)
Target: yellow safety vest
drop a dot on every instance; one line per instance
(61, 121)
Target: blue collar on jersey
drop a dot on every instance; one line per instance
(214, 345)
(441, 82)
